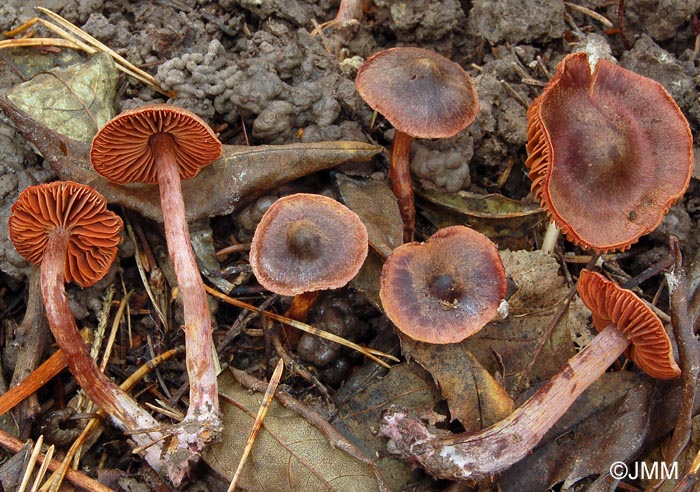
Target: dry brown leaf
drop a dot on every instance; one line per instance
(506, 347)
(239, 176)
(289, 453)
(474, 397)
(506, 221)
(376, 205)
(359, 416)
(367, 281)
(607, 424)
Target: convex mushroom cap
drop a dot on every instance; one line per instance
(418, 91)
(307, 242)
(121, 151)
(609, 153)
(445, 289)
(93, 231)
(650, 347)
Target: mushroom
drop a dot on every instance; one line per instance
(626, 324)
(423, 95)
(445, 289)
(306, 243)
(163, 144)
(66, 228)
(609, 153)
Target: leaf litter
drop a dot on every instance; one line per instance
(469, 385)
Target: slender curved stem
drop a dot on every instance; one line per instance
(400, 176)
(498, 447)
(121, 408)
(204, 400)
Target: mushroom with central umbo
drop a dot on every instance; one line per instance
(165, 144)
(445, 289)
(423, 95)
(627, 325)
(66, 228)
(306, 243)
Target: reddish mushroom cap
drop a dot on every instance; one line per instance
(81, 210)
(420, 92)
(122, 154)
(609, 153)
(307, 242)
(445, 289)
(610, 304)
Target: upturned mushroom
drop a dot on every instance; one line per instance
(65, 228)
(609, 153)
(165, 144)
(306, 243)
(445, 289)
(423, 95)
(626, 325)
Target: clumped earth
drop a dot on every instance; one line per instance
(256, 73)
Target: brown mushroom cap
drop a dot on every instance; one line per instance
(609, 153)
(420, 92)
(121, 152)
(307, 242)
(445, 289)
(610, 304)
(78, 208)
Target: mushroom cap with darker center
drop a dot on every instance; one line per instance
(307, 242)
(420, 92)
(445, 289)
(650, 347)
(121, 152)
(82, 212)
(609, 153)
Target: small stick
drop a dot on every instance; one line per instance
(257, 425)
(42, 470)
(368, 352)
(590, 13)
(78, 479)
(122, 62)
(62, 470)
(689, 353)
(552, 325)
(29, 385)
(36, 450)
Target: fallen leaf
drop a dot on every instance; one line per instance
(29, 61)
(375, 204)
(358, 417)
(367, 280)
(607, 424)
(289, 453)
(474, 397)
(75, 101)
(238, 177)
(505, 221)
(507, 346)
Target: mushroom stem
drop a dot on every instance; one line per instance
(400, 176)
(498, 447)
(121, 408)
(201, 370)
(551, 236)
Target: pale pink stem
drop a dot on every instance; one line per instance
(473, 455)
(204, 400)
(121, 408)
